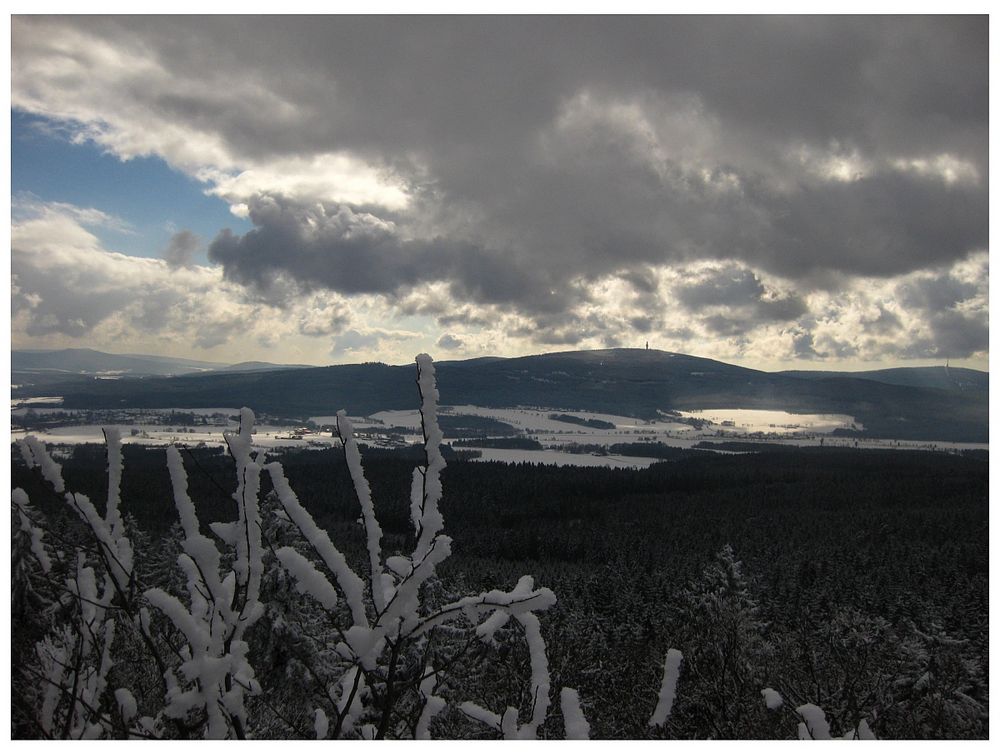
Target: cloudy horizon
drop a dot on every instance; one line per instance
(777, 192)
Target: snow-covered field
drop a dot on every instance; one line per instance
(721, 425)
(38, 403)
(741, 420)
(47, 406)
(527, 420)
(536, 421)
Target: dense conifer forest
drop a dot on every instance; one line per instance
(853, 580)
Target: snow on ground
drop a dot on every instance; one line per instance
(528, 420)
(50, 408)
(746, 425)
(37, 403)
(264, 436)
(536, 420)
(727, 420)
(745, 420)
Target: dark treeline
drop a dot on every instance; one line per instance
(593, 423)
(855, 580)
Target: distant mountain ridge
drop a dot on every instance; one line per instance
(620, 381)
(263, 366)
(85, 361)
(936, 377)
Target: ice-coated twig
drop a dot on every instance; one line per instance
(108, 530)
(25, 450)
(87, 656)
(381, 584)
(39, 456)
(772, 699)
(321, 725)
(430, 522)
(668, 690)
(478, 713)
(116, 546)
(539, 672)
(350, 583)
(113, 441)
(308, 579)
(196, 545)
(486, 629)
(222, 607)
(54, 656)
(249, 563)
(19, 498)
(577, 727)
(349, 704)
(432, 705)
(814, 725)
(127, 706)
(521, 604)
(863, 732)
(523, 598)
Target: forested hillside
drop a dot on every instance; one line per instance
(620, 381)
(856, 581)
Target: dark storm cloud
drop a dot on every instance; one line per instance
(465, 318)
(449, 342)
(684, 334)
(180, 251)
(542, 154)
(936, 293)
(642, 324)
(353, 340)
(327, 323)
(357, 252)
(953, 334)
(726, 326)
(729, 286)
(828, 347)
(955, 310)
(642, 279)
(882, 226)
(738, 299)
(957, 335)
(884, 323)
(803, 346)
(454, 81)
(564, 328)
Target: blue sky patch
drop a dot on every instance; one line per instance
(152, 198)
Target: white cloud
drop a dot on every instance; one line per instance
(25, 207)
(121, 97)
(944, 167)
(331, 178)
(834, 164)
(66, 286)
(567, 195)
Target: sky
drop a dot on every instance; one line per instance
(777, 192)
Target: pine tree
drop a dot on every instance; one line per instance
(726, 652)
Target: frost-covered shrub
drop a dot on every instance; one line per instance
(717, 622)
(386, 637)
(940, 690)
(73, 664)
(263, 626)
(374, 648)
